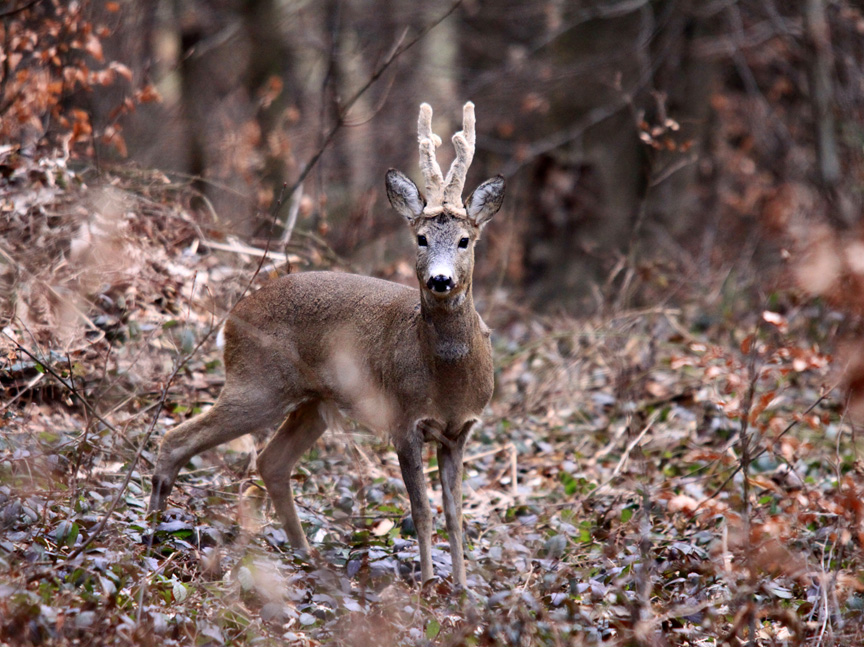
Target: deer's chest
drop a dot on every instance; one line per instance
(460, 390)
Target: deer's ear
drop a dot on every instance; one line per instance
(485, 201)
(404, 195)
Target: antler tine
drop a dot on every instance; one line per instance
(463, 142)
(429, 141)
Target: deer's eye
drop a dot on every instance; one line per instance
(421, 241)
(463, 243)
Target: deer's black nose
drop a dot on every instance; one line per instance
(440, 283)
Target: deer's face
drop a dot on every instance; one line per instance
(445, 254)
(444, 234)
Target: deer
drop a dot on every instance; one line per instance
(310, 349)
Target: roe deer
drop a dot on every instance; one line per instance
(318, 345)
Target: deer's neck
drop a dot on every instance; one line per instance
(451, 328)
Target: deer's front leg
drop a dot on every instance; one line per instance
(450, 472)
(410, 452)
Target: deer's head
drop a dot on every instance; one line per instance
(445, 227)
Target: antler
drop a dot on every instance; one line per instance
(463, 142)
(429, 141)
(440, 191)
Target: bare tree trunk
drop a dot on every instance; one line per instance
(842, 209)
(586, 192)
(821, 79)
(218, 110)
(270, 79)
(357, 149)
(438, 65)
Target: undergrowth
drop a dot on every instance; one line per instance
(647, 477)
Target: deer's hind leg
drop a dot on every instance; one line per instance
(297, 434)
(235, 413)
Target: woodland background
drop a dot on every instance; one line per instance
(675, 283)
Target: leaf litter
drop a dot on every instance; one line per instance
(604, 491)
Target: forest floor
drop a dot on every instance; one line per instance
(605, 498)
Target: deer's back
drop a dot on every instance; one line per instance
(314, 312)
(325, 298)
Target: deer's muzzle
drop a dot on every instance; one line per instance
(440, 283)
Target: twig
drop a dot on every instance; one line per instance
(745, 439)
(57, 377)
(641, 606)
(629, 259)
(293, 210)
(673, 168)
(522, 588)
(788, 428)
(513, 462)
(26, 388)
(626, 453)
(240, 248)
(514, 470)
(744, 436)
(824, 609)
(274, 210)
(557, 140)
(131, 469)
(88, 423)
(324, 248)
(374, 110)
(87, 321)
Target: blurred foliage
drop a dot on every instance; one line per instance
(53, 52)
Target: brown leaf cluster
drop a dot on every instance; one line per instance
(52, 52)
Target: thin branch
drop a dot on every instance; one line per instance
(291, 221)
(164, 394)
(341, 119)
(558, 139)
(746, 439)
(756, 456)
(89, 407)
(623, 460)
(725, 46)
(32, 383)
(131, 469)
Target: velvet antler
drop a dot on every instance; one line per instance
(441, 191)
